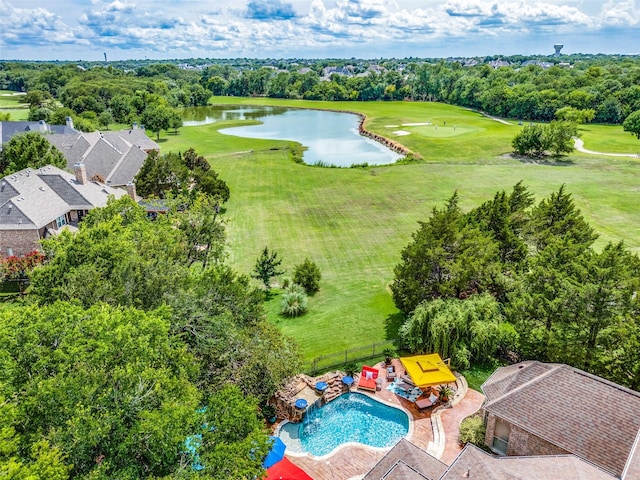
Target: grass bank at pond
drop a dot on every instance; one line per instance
(354, 222)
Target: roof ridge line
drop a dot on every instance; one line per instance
(554, 368)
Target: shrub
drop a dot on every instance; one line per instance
(294, 302)
(472, 430)
(307, 274)
(351, 368)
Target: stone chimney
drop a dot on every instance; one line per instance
(131, 191)
(69, 122)
(81, 173)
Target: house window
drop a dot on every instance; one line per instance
(61, 220)
(501, 437)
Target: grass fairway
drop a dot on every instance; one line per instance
(354, 222)
(13, 103)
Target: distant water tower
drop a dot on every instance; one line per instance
(558, 47)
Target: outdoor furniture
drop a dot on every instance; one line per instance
(347, 381)
(391, 374)
(321, 387)
(368, 378)
(427, 402)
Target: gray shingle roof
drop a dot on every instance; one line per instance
(581, 413)
(40, 196)
(115, 155)
(9, 129)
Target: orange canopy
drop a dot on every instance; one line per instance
(427, 370)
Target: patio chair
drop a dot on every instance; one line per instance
(427, 402)
(391, 373)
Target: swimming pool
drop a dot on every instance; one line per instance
(352, 417)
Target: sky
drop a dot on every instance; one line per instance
(369, 29)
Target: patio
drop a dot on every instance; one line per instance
(355, 461)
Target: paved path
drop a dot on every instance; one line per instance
(579, 144)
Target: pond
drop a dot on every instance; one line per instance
(330, 138)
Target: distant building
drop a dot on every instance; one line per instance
(557, 47)
(37, 203)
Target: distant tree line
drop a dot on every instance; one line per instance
(607, 85)
(520, 280)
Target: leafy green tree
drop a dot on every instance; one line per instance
(117, 256)
(557, 217)
(447, 257)
(29, 150)
(105, 386)
(157, 118)
(105, 119)
(160, 175)
(221, 317)
(202, 227)
(465, 330)
(530, 141)
(559, 137)
(307, 274)
(234, 440)
(632, 124)
(267, 266)
(575, 115)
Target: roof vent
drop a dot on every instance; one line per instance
(41, 188)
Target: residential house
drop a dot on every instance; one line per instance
(112, 157)
(37, 203)
(535, 408)
(544, 422)
(9, 129)
(405, 461)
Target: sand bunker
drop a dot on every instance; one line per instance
(401, 133)
(391, 126)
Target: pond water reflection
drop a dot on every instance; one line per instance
(331, 138)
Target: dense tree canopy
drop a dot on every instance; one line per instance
(632, 124)
(175, 174)
(562, 300)
(29, 150)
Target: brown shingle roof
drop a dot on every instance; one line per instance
(476, 464)
(581, 413)
(405, 461)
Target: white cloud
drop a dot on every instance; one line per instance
(311, 27)
(620, 13)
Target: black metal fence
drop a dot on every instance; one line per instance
(339, 359)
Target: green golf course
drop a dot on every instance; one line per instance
(353, 222)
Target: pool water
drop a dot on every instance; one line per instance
(352, 417)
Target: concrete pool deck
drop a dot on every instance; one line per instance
(353, 461)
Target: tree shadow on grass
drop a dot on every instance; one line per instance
(392, 324)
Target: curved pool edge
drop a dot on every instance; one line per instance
(342, 446)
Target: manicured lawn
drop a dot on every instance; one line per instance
(13, 103)
(609, 139)
(354, 222)
(477, 375)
